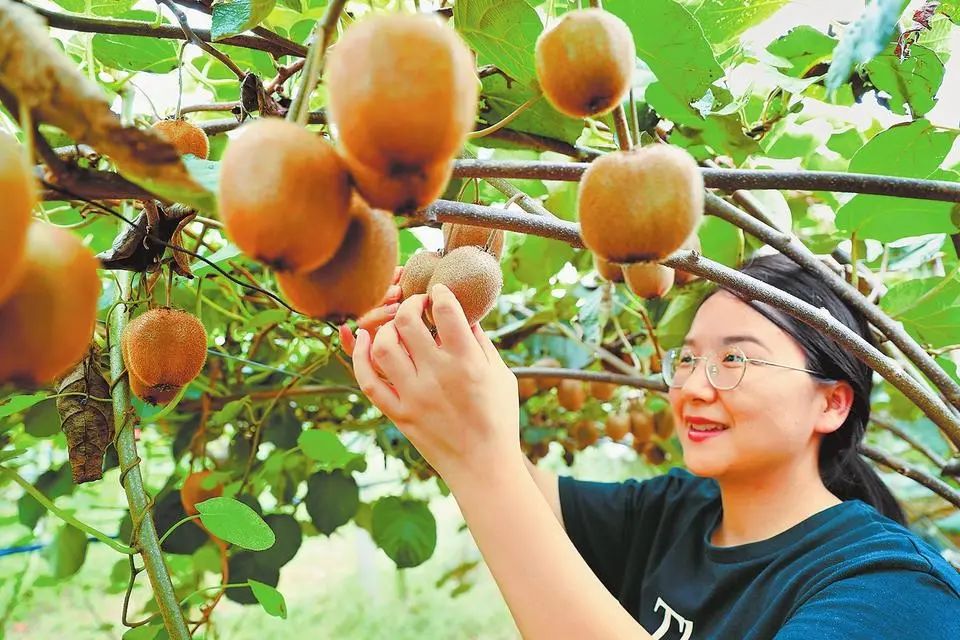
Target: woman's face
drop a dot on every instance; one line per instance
(774, 418)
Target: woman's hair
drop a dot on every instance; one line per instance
(842, 469)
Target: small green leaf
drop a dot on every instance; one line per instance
(405, 529)
(269, 598)
(264, 318)
(864, 39)
(236, 523)
(229, 412)
(803, 47)
(146, 632)
(236, 16)
(503, 33)
(226, 252)
(325, 447)
(67, 552)
(16, 404)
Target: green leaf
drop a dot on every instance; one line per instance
(676, 320)
(236, 16)
(537, 259)
(325, 447)
(724, 20)
(332, 499)
(503, 33)
(101, 8)
(269, 598)
(501, 99)
(863, 39)
(951, 9)
(672, 43)
(289, 538)
(803, 47)
(229, 412)
(146, 632)
(135, 53)
(67, 552)
(912, 83)
(721, 241)
(226, 252)
(405, 529)
(911, 150)
(42, 420)
(236, 523)
(929, 309)
(16, 404)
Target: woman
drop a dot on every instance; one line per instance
(777, 529)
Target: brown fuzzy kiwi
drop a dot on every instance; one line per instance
(654, 454)
(19, 189)
(403, 191)
(585, 62)
(641, 425)
(461, 235)
(586, 433)
(395, 127)
(602, 391)
(681, 277)
(166, 347)
(617, 426)
(648, 279)
(48, 318)
(357, 277)
(417, 272)
(150, 395)
(185, 136)
(193, 491)
(284, 195)
(474, 277)
(640, 205)
(663, 424)
(571, 395)
(608, 270)
(527, 388)
(548, 382)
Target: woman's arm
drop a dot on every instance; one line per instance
(549, 486)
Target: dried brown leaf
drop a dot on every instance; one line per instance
(87, 422)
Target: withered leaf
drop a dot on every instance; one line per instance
(132, 250)
(181, 260)
(87, 423)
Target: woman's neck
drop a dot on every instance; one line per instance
(760, 506)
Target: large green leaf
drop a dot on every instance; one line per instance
(864, 38)
(332, 499)
(724, 20)
(405, 529)
(911, 83)
(501, 99)
(101, 8)
(502, 32)
(951, 9)
(135, 53)
(672, 43)
(15, 404)
(929, 309)
(912, 150)
(236, 523)
(803, 47)
(236, 16)
(67, 552)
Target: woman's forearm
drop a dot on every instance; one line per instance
(550, 590)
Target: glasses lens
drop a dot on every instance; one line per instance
(677, 367)
(726, 369)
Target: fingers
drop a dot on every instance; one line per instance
(375, 318)
(392, 357)
(455, 334)
(397, 272)
(489, 349)
(377, 390)
(347, 341)
(412, 330)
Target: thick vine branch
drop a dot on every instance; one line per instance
(791, 246)
(263, 32)
(163, 31)
(733, 179)
(917, 474)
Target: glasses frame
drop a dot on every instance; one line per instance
(668, 357)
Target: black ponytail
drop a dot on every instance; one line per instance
(843, 471)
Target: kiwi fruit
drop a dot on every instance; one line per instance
(681, 277)
(396, 126)
(654, 454)
(457, 235)
(602, 391)
(586, 433)
(585, 62)
(357, 277)
(571, 395)
(284, 195)
(48, 318)
(608, 270)
(185, 136)
(417, 272)
(193, 491)
(403, 191)
(19, 190)
(150, 395)
(641, 425)
(474, 277)
(527, 388)
(548, 382)
(648, 279)
(166, 348)
(663, 424)
(640, 205)
(617, 426)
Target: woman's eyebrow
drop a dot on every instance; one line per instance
(730, 340)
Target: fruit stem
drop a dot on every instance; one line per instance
(473, 135)
(145, 538)
(623, 132)
(63, 515)
(322, 33)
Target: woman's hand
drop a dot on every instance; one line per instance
(374, 319)
(452, 396)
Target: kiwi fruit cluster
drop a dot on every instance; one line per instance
(163, 349)
(186, 137)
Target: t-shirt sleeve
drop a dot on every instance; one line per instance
(882, 605)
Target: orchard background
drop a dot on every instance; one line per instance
(346, 531)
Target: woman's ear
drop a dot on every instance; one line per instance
(838, 400)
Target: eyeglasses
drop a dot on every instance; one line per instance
(725, 369)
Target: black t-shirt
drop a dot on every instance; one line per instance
(845, 573)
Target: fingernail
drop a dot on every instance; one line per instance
(392, 308)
